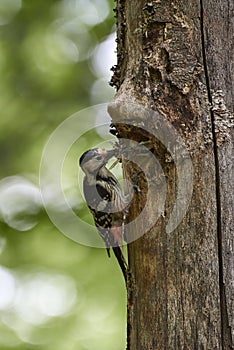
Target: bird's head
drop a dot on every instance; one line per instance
(94, 159)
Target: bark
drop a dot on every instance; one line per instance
(175, 58)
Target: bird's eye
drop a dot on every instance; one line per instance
(98, 157)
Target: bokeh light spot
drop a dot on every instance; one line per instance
(8, 288)
(20, 202)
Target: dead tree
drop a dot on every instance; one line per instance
(176, 58)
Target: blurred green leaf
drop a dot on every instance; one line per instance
(55, 293)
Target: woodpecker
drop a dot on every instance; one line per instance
(105, 200)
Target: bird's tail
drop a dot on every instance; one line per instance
(121, 260)
(108, 251)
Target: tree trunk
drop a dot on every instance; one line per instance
(175, 58)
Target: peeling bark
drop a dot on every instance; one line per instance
(174, 58)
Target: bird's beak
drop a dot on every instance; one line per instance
(109, 154)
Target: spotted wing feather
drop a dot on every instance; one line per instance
(104, 198)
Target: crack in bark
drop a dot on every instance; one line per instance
(225, 328)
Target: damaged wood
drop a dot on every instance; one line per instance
(180, 293)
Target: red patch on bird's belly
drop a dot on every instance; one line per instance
(117, 234)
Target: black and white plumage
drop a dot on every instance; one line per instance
(105, 200)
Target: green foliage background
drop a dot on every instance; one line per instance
(54, 293)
